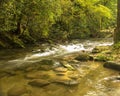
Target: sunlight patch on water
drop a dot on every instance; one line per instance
(93, 93)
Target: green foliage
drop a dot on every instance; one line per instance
(28, 21)
(116, 46)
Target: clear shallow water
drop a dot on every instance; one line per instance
(95, 81)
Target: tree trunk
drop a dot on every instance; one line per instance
(18, 30)
(117, 31)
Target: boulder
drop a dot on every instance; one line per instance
(112, 65)
(39, 83)
(17, 90)
(96, 50)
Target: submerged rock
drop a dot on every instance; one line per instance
(3, 74)
(68, 66)
(38, 75)
(39, 83)
(74, 76)
(47, 62)
(112, 65)
(17, 91)
(45, 67)
(66, 81)
(60, 69)
(7, 73)
(113, 78)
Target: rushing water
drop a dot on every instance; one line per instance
(95, 80)
(32, 54)
(74, 46)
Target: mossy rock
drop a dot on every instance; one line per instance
(47, 62)
(101, 58)
(96, 50)
(83, 57)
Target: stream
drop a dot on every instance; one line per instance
(17, 57)
(91, 77)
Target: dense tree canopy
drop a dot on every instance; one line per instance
(28, 21)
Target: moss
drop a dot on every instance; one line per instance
(103, 57)
(116, 46)
(99, 49)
